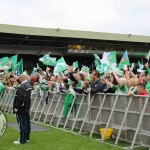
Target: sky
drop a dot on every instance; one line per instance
(112, 16)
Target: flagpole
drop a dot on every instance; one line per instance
(92, 66)
(22, 64)
(141, 60)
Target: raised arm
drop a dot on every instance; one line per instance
(132, 74)
(117, 79)
(127, 76)
(107, 82)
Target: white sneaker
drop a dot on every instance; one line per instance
(17, 142)
(26, 140)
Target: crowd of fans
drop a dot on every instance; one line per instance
(82, 82)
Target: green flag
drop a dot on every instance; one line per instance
(148, 55)
(140, 65)
(41, 59)
(112, 68)
(84, 68)
(124, 60)
(110, 57)
(4, 61)
(1, 87)
(60, 66)
(49, 60)
(75, 65)
(37, 66)
(34, 71)
(61, 60)
(12, 61)
(44, 85)
(107, 59)
(20, 67)
(100, 68)
(97, 60)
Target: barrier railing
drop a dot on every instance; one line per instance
(129, 117)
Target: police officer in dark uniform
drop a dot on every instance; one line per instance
(22, 104)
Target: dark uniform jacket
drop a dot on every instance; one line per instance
(97, 86)
(22, 100)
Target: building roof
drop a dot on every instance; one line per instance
(36, 31)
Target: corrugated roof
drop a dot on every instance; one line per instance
(14, 29)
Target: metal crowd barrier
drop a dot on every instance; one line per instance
(129, 117)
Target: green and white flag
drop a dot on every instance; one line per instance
(34, 71)
(110, 57)
(41, 59)
(60, 66)
(140, 65)
(44, 85)
(85, 68)
(4, 61)
(19, 68)
(97, 63)
(112, 68)
(107, 59)
(75, 65)
(12, 62)
(124, 60)
(97, 60)
(37, 66)
(105, 64)
(47, 60)
(100, 68)
(50, 61)
(148, 55)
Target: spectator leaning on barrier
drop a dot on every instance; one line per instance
(12, 81)
(111, 78)
(120, 88)
(132, 82)
(48, 72)
(96, 84)
(141, 89)
(69, 97)
(51, 83)
(84, 89)
(35, 79)
(80, 78)
(58, 83)
(64, 88)
(4, 80)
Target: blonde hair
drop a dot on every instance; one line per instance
(134, 81)
(123, 80)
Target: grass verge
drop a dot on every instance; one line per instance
(54, 139)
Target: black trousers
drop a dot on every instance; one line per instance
(24, 125)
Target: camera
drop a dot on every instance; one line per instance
(107, 78)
